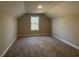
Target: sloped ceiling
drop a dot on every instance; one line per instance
(65, 8)
(13, 8)
(53, 8)
(50, 8)
(32, 6)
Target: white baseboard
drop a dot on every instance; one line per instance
(33, 34)
(70, 44)
(7, 48)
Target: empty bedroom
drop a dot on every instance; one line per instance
(39, 28)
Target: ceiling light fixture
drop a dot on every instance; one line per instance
(40, 6)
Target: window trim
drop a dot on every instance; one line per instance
(38, 22)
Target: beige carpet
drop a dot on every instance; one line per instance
(37, 46)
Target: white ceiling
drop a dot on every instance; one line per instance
(32, 6)
(53, 8)
(50, 8)
(13, 8)
(65, 8)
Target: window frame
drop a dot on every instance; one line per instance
(36, 23)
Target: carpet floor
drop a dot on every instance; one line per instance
(40, 46)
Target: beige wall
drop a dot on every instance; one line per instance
(9, 11)
(24, 25)
(66, 23)
(7, 30)
(67, 27)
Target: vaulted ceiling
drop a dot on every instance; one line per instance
(32, 6)
(13, 8)
(53, 8)
(50, 8)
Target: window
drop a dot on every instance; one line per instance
(34, 23)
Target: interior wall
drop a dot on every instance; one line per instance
(66, 24)
(8, 27)
(9, 12)
(24, 25)
(67, 27)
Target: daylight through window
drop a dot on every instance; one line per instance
(34, 23)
